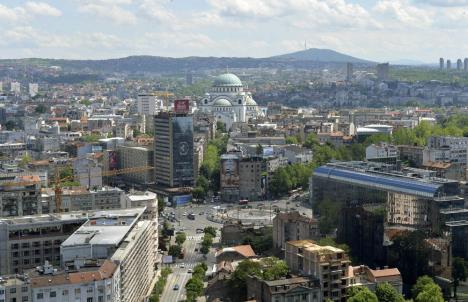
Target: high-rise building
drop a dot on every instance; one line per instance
(449, 64)
(15, 87)
(173, 149)
(465, 64)
(189, 78)
(33, 89)
(441, 63)
(459, 64)
(148, 104)
(349, 71)
(383, 71)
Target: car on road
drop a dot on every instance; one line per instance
(182, 265)
(184, 214)
(199, 231)
(190, 271)
(176, 287)
(201, 213)
(298, 205)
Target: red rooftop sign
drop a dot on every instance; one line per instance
(181, 106)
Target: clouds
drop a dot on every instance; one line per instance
(376, 30)
(29, 10)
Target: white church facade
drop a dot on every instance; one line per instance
(228, 101)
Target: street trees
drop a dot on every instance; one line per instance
(425, 290)
(175, 250)
(387, 293)
(210, 230)
(361, 294)
(194, 286)
(180, 238)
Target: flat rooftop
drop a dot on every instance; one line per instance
(105, 229)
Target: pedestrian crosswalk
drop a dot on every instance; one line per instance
(185, 265)
(196, 237)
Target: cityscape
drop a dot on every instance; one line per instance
(171, 168)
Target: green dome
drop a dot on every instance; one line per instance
(222, 103)
(227, 79)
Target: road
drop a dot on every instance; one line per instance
(180, 275)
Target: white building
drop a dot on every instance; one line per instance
(15, 87)
(382, 152)
(446, 149)
(124, 238)
(33, 89)
(148, 104)
(229, 102)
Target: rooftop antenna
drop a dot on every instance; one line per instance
(305, 44)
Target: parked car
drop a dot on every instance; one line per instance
(176, 287)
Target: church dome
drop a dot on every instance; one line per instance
(222, 103)
(250, 102)
(227, 79)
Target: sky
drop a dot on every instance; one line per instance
(383, 30)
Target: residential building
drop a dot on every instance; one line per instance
(29, 241)
(93, 282)
(15, 288)
(148, 104)
(20, 196)
(446, 149)
(411, 154)
(382, 152)
(235, 253)
(364, 276)
(294, 288)
(288, 226)
(383, 71)
(33, 89)
(326, 263)
(123, 238)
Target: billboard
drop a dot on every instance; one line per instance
(113, 163)
(181, 199)
(182, 144)
(229, 171)
(181, 106)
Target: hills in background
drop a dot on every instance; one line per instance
(309, 58)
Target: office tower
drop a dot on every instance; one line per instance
(465, 64)
(383, 71)
(459, 64)
(173, 149)
(449, 64)
(441, 63)
(349, 72)
(33, 89)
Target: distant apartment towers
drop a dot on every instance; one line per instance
(460, 64)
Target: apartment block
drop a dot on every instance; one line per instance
(293, 226)
(327, 263)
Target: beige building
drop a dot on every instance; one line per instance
(404, 209)
(284, 290)
(14, 288)
(327, 263)
(293, 226)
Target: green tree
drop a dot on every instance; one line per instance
(459, 273)
(194, 288)
(273, 268)
(205, 249)
(239, 277)
(421, 282)
(10, 125)
(175, 250)
(203, 182)
(311, 141)
(41, 109)
(199, 193)
(430, 293)
(161, 204)
(385, 292)
(259, 149)
(363, 295)
(210, 230)
(25, 160)
(220, 127)
(180, 238)
(292, 140)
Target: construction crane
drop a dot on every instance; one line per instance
(57, 181)
(165, 95)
